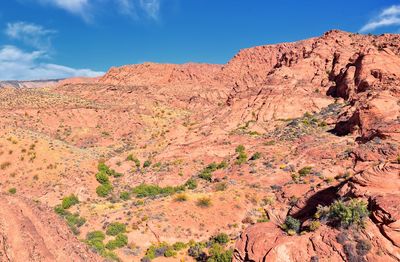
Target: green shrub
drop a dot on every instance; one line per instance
(206, 173)
(179, 246)
(102, 178)
(345, 214)
(255, 156)
(219, 254)
(314, 225)
(60, 210)
(115, 228)
(104, 189)
(69, 201)
(95, 235)
(242, 156)
(240, 149)
(196, 251)
(102, 167)
(74, 221)
(97, 245)
(291, 224)
(146, 190)
(170, 252)
(222, 165)
(305, 171)
(125, 195)
(120, 240)
(191, 184)
(221, 238)
(109, 255)
(134, 159)
(12, 190)
(147, 163)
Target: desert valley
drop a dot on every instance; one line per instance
(288, 152)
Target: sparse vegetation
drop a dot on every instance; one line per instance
(204, 202)
(12, 190)
(125, 195)
(146, 190)
(344, 214)
(291, 225)
(69, 201)
(120, 240)
(255, 156)
(206, 173)
(104, 190)
(115, 228)
(181, 197)
(242, 156)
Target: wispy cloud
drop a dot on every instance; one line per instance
(127, 7)
(17, 64)
(31, 34)
(87, 8)
(151, 8)
(77, 7)
(387, 17)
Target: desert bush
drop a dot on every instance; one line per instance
(314, 225)
(120, 240)
(255, 156)
(147, 163)
(179, 246)
(134, 159)
(69, 201)
(161, 249)
(206, 173)
(196, 251)
(125, 195)
(221, 238)
(115, 228)
(363, 246)
(12, 190)
(204, 202)
(219, 254)
(147, 190)
(291, 225)
(181, 198)
(305, 171)
(95, 235)
(242, 156)
(191, 183)
(102, 178)
(74, 221)
(345, 214)
(104, 189)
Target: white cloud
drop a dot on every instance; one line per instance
(388, 17)
(127, 7)
(151, 7)
(86, 8)
(31, 34)
(17, 64)
(78, 7)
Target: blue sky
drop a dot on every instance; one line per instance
(61, 38)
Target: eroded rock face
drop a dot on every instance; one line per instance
(32, 232)
(364, 71)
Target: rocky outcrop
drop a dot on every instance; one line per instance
(32, 232)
